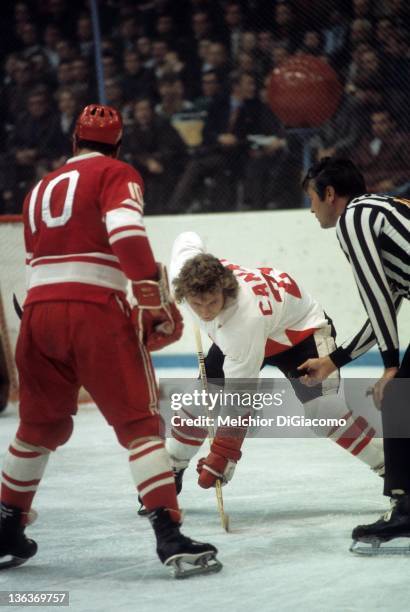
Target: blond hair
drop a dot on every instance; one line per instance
(204, 274)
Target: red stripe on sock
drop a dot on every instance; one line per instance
(358, 449)
(20, 483)
(336, 427)
(140, 454)
(186, 440)
(153, 479)
(164, 496)
(16, 498)
(353, 432)
(23, 454)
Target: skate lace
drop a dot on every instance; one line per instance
(387, 515)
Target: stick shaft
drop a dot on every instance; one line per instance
(211, 429)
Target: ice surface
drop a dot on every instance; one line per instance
(292, 505)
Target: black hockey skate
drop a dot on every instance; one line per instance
(15, 547)
(178, 475)
(184, 556)
(393, 525)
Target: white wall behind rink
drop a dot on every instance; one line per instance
(290, 240)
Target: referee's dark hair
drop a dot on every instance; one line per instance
(339, 173)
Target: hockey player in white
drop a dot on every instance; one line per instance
(256, 317)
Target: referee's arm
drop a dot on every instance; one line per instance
(358, 230)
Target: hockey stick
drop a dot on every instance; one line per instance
(211, 430)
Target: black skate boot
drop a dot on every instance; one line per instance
(393, 525)
(15, 547)
(186, 557)
(178, 474)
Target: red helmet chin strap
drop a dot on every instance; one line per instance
(99, 123)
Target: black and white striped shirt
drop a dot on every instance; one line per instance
(374, 233)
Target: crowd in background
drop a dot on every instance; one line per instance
(191, 79)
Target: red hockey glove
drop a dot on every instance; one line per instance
(219, 465)
(157, 320)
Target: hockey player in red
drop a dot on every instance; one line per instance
(85, 239)
(257, 317)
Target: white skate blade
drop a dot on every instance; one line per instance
(187, 565)
(375, 547)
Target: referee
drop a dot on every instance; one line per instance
(374, 233)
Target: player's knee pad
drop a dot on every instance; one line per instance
(47, 435)
(149, 427)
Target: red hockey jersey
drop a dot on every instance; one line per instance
(84, 231)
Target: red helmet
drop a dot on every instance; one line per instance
(99, 123)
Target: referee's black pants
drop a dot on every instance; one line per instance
(396, 422)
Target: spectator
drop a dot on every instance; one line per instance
(16, 91)
(59, 13)
(370, 66)
(285, 28)
(369, 70)
(51, 37)
(356, 53)
(110, 67)
(85, 39)
(267, 157)
(42, 71)
(210, 88)
(264, 50)
(165, 29)
(144, 48)
(280, 53)
(221, 157)
(64, 74)
(30, 40)
(82, 83)
(340, 134)
(127, 33)
(34, 144)
(335, 34)
(137, 81)
(218, 60)
(201, 26)
(172, 102)
(384, 30)
(384, 156)
(155, 148)
(312, 43)
(361, 30)
(22, 13)
(68, 110)
(160, 49)
(247, 63)
(248, 42)
(234, 26)
(114, 94)
(174, 66)
(66, 50)
(363, 9)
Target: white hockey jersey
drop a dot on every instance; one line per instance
(270, 314)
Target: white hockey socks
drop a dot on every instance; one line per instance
(152, 473)
(356, 436)
(23, 468)
(185, 442)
